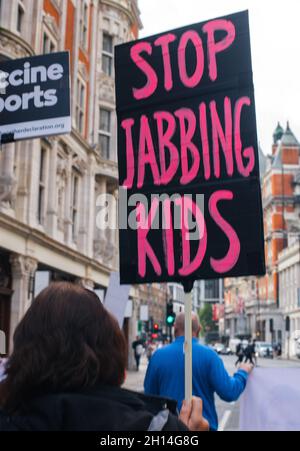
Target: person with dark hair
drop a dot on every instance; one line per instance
(67, 368)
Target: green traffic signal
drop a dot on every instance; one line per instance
(170, 315)
(170, 319)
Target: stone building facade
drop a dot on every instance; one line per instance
(50, 226)
(289, 293)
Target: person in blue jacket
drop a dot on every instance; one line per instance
(165, 373)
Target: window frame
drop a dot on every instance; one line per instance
(41, 206)
(84, 25)
(51, 41)
(75, 187)
(105, 133)
(20, 17)
(108, 54)
(81, 105)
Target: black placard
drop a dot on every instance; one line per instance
(35, 96)
(187, 127)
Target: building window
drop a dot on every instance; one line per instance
(42, 188)
(84, 21)
(212, 289)
(20, 17)
(74, 207)
(61, 192)
(48, 44)
(80, 105)
(105, 133)
(107, 54)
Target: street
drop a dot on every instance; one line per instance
(228, 413)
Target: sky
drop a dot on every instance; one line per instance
(275, 43)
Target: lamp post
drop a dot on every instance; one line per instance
(258, 331)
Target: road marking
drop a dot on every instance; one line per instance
(224, 420)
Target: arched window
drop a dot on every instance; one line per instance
(20, 16)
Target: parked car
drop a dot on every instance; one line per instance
(221, 349)
(264, 350)
(226, 351)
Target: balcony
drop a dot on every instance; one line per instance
(107, 168)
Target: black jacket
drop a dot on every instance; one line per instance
(101, 409)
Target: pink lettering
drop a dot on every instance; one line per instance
(164, 140)
(127, 125)
(146, 158)
(144, 66)
(187, 117)
(245, 171)
(227, 263)
(216, 47)
(168, 237)
(193, 80)
(144, 248)
(164, 41)
(226, 139)
(204, 139)
(189, 207)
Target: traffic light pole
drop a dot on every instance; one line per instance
(170, 334)
(188, 374)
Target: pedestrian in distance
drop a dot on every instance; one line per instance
(250, 353)
(277, 351)
(165, 373)
(150, 350)
(138, 350)
(240, 354)
(66, 370)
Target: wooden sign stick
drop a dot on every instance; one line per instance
(188, 369)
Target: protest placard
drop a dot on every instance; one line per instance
(116, 298)
(188, 155)
(35, 97)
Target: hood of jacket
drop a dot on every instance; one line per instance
(99, 409)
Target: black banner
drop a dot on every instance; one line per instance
(35, 96)
(190, 196)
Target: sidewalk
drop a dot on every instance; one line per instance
(135, 379)
(291, 359)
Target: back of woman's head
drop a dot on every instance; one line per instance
(66, 341)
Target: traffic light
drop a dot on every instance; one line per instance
(155, 331)
(155, 328)
(170, 316)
